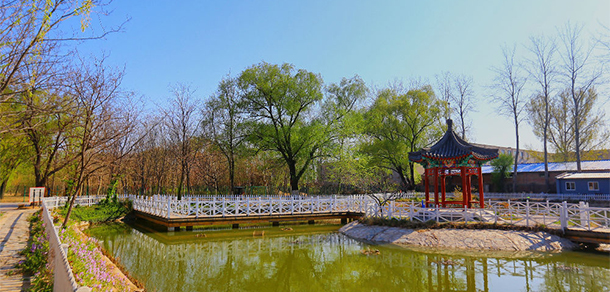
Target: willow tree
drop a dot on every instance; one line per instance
(292, 115)
(402, 122)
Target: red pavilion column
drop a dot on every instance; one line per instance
(438, 202)
(464, 187)
(469, 185)
(481, 198)
(436, 185)
(427, 183)
(443, 187)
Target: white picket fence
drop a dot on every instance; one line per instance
(220, 206)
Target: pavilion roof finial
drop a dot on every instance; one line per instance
(449, 125)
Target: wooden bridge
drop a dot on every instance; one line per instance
(234, 210)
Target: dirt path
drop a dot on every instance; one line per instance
(14, 233)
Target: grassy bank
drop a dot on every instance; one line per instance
(105, 211)
(36, 256)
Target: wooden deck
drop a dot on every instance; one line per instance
(190, 221)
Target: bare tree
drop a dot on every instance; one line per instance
(444, 88)
(463, 103)
(182, 123)
(508, 85)
(457, 93)
(579, 75)
(542, 69)
(103, 120)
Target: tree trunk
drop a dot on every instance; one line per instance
(411, 184)
(231, 176)
(577, 134)
(403, 178)
(547, 183)
(181, 182)
(516, 155)
(72, 199)
(294, 178)
(3, 187)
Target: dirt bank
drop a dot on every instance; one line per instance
(488, 239)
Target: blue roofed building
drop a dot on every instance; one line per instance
(530, 176)
(584, 183)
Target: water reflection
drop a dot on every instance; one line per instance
(333, 262)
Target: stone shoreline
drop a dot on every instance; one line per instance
(485, 240)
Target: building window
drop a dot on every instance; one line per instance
(570, 186)
(593, 186)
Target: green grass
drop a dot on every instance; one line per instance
(102, 212)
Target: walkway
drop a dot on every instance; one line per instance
(14, 233)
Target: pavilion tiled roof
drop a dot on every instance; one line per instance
(451, 146)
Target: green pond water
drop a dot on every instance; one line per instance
(317, 258)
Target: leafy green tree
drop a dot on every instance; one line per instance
(399, 123)
(291, 116)
(593, 129)
(501, 170)
(13, 148)
(224, 124)
(48, 135)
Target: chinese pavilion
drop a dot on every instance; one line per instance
(453, 156)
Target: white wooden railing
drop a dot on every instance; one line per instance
(526, 213)
(550, 197)
(562, 215)
(63, 278)
(212, 206)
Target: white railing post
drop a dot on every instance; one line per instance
(168, 206)
(527, 213)
(584, 218)
(224, 206)
(510, 212)
(563, 217)
(237, 202)
(214, 211)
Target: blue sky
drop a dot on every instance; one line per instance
(199, 42)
